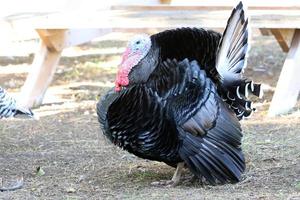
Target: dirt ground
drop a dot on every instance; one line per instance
(77, 162)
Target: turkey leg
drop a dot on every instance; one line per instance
(175, 179)
(177, 175)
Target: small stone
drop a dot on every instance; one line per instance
(71, 190)
(81, 178)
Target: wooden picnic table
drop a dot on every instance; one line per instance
(60, 30)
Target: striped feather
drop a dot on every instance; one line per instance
(7, 104)
(10, 108)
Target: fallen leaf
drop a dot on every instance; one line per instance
(40, 171)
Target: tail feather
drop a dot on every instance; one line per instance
(240, 40)
(231, 58)
(237, 97)
(257, 90)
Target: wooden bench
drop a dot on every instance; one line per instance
(58, 31)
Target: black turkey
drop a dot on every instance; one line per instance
(10, 108)
(178, 98)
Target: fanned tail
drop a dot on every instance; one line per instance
(231, 61)
(231, 57)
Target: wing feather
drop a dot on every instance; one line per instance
(210, 132)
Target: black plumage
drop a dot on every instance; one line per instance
(182, 110)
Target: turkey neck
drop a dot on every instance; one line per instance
(141, 72)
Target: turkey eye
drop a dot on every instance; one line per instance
(138, 42)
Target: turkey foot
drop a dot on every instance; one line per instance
(175, 179)
(193, 179)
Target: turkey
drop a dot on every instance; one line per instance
(178, 99)
(10, 108)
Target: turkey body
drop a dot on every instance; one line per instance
(177, 110)
(189, 121)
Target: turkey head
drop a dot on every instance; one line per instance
(134, 68)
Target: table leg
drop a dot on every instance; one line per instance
(53, 41)
(288, 86)
(40, 76)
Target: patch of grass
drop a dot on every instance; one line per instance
(149, 175)
(72, 198)
(297, 186)
(88, 71)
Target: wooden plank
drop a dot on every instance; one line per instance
(165, 1)
(40, 76)
(288, 86)
(196, 7)
(52, 38)
(265, 32)
(60, 39)
(79, 36)
(153, 30)
(131, 19)
(283, 37)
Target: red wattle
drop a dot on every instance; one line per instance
(128, 62)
